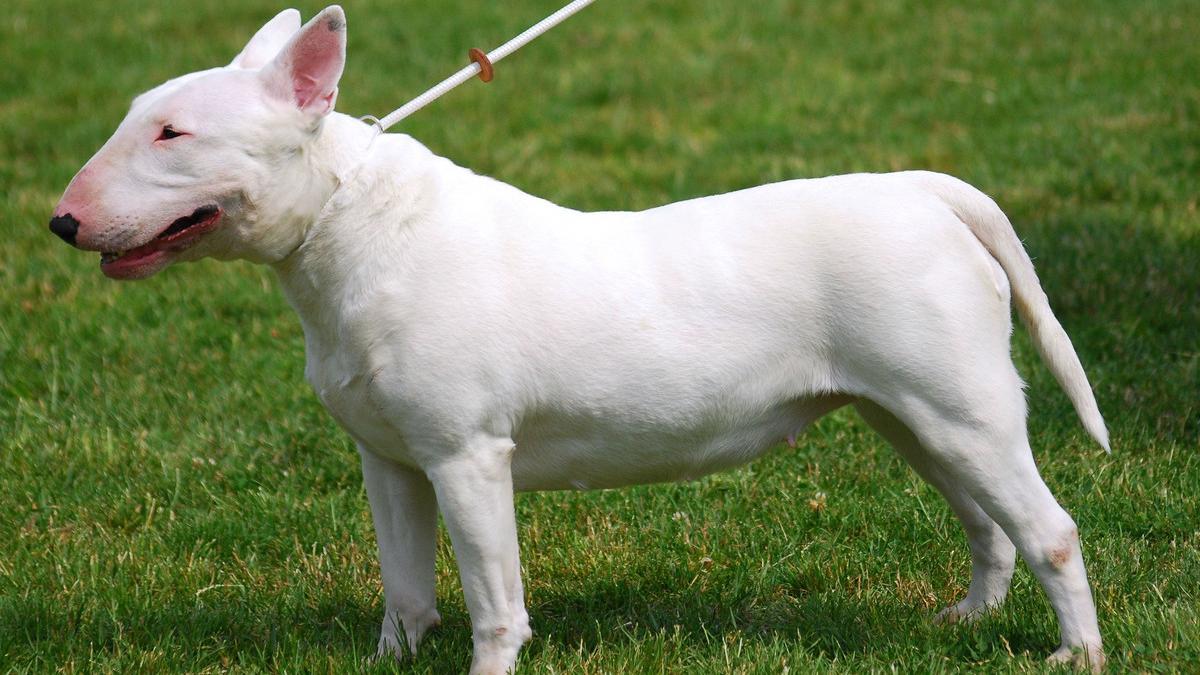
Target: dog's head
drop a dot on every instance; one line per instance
(213, 163)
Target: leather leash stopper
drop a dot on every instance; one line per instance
(486, 71)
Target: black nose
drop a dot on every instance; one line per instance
(65, 227)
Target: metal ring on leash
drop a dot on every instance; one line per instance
(373, 121)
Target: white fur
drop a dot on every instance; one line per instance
(475, 340)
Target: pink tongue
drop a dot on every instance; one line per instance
(137, 254)
(131, 258)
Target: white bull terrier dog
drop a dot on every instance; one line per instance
(475, 340)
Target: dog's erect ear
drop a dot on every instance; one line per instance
(269, 39)
(307, 69)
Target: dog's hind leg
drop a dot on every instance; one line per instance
(993, 556)
(973, 428)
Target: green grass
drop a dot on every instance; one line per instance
(172, 496)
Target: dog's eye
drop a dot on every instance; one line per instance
(169, 132)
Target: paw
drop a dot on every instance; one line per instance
(389, 647)
(493, 666)
(415, 626)
(1081, 657)
(496, 648)
(964, 613)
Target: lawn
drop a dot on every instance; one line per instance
(173, 497)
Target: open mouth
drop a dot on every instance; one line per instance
(141, 261)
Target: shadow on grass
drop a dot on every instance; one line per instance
(619, 616)
(661, 614)
(187, 636)
(629, 611)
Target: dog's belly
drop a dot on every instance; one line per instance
(557, 452)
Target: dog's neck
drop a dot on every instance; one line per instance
(388, 220)
(381, 191)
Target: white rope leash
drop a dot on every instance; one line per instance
(481, 65)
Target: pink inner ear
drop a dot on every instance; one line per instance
(316, 62)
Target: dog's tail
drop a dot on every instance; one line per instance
(992, 228)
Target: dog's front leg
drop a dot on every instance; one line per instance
(405, 513)
(475, 494)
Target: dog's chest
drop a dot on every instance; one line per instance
(345, 377)
(343, 388)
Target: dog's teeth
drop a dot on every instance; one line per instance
(109, 256)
